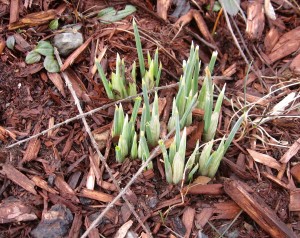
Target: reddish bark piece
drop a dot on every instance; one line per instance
(162, 8)
(294, 205)
(295, 171)
(168, 203)
(58, 82)
(195, 136)
(287, 44)
(121, 233)
(76, 226)
(209, 189)
(65, 190)
(265, 159)
(203, 217)
(291, 152)
(94, 233)
(257, 209)
(43, 184)
(255, 19)
(295, 65)
(58, 199)
(18, 178)
(271, 39)
(188, 220)
(14, 11)
(96, 195)
(13, 210)
(33, 19)
(226, 210)
(195, 14)
(76, 82)
(33, 147)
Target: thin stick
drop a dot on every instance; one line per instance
(94, 143)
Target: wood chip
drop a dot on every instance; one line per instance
(18, 178)
(65, 190)
(162, 8)
(294, 205)
(12, 210)
(33, 147)
(209, 189)
(188, 220)
(265, 159)
(38, 181)
(226, 210)
(258, 210)
(255, 19)
(97, 195)
(121, 233)
(287, 44)
(291, 152)
(203, 217)
(295, 171)
(295, 65)
(76, 226)
(58, 82)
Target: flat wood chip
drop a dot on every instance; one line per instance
(258, 210)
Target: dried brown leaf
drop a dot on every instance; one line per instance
(265, 159)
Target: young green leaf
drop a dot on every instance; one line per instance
(44, 48)
(51, 64)
(53, 25)
(139, 48)
(32, 57)
(10, 42)
(104, 80)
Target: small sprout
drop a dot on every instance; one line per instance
(118, 121)
(51, 64)
(139, 48)
(53, 25)
(44, 48)
(32, 57)
(10, 42)
(134, 147)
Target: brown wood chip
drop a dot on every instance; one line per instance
(258, 210)
(18, 178)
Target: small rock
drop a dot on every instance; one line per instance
(67, 42)
(55, 223)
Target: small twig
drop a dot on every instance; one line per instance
(95, 145)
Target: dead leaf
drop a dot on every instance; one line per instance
(265, 159)
(287, 44)
(33, 19)
(58, 82)
(121, 233)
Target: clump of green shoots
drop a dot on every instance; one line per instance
(205, 102)
(188, 89)
(174, 161)
(119, 87)
(125, 130)
(177, 168)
